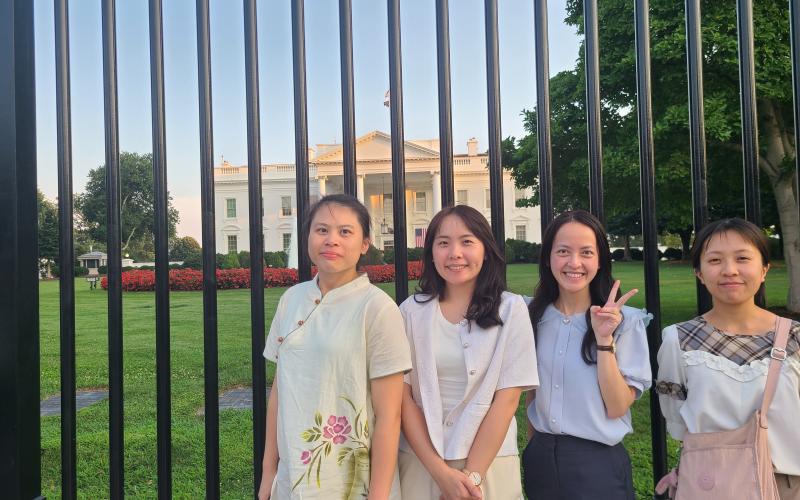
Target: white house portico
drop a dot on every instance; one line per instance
(374, 189)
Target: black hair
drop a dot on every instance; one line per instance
(546, 291)
(747, 230)
(346, 201)
(491, 283)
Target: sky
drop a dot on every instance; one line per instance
(371, 80)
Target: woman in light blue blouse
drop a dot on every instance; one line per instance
(593, 364)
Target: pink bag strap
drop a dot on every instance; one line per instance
(778, 355)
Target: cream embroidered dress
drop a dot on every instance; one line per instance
(327, 350)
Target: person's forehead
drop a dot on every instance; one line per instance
(575, 234)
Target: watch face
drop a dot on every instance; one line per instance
(476, 478)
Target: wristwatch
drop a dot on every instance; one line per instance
(610, 348)
(473, 476)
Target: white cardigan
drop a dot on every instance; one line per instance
(496, 358)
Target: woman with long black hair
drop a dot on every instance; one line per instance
(473, 355)
(593, 364)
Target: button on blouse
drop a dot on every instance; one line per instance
(568, 400)
(495, 358)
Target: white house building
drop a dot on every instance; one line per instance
(374, 183)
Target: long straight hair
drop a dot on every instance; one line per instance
(547, 292)
(491, 283)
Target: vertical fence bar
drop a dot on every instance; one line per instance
(747, 96)
(445, 106)
(348, 99)
(697, 131)
(300, 134)
(545, 150)
(66, 254)
(794, 23)
(114, 246)
(210, 354)
(163, 370)
(398, 152)
(256, 205)
(495, 137)
(594, 127)
(647, 191)
(20, 452)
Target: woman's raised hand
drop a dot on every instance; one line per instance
(607, 318)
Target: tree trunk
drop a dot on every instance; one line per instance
(779, 148)
(790, 226)
(686, 244)
(626, 256)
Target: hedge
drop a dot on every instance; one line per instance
(228, 279)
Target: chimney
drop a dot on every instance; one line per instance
(472, 147)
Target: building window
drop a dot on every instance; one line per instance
(230, 207)
(488, 199)
(286, 206)
(520, 234)
(388, 245)
(519, 194)
(461, 197)
(232, 248)
(421, 203)
(287, 240)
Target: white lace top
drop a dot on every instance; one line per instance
(710, 381)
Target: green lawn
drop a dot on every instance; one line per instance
(677, 289)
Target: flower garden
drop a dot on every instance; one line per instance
(186, 280)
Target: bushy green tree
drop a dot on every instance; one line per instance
(137, 205)
(671, 121)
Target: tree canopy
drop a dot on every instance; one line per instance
(137, 205)
(671, 122)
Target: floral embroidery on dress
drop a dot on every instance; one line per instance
(351, 442)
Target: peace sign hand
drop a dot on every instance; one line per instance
(606, 319)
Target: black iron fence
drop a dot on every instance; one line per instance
(19, 356)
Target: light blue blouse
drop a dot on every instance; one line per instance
(568, 400)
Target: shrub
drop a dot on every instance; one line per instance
(775, 248)
(193, 261)
(618, 254)
(231, 261)
(673, 254)
(244, 259)
(414, 254)
(140, 280)
(522, 251)
(102, 270)
(637, 254)
(373, 257)
(275, 259)
(81, 271)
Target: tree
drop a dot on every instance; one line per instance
(48, 231)
(670, 121)
(184, 247)
(137, 205)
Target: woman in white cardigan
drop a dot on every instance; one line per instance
(473, 355)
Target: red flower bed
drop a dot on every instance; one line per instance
(227, 279)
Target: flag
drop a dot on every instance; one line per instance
(419, 237)
(386, 99)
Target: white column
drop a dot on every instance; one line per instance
(437, 191)
(360, 188)
(321, 181)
